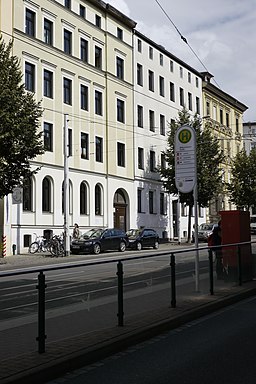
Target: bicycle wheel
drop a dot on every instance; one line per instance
(34, 247)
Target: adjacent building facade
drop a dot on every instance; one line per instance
(119, 90)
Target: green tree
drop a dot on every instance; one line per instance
(20, 139)
(209, 157)
(242, 186)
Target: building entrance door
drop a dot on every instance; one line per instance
(120, 207)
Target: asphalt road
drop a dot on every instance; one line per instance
(218, 348)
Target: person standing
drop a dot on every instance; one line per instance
(76, 232)
(216, 242)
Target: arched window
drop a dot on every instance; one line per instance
(46, 195)
(28, 195)
(98, 200)
(83, 199)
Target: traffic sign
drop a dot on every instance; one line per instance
(185, 159)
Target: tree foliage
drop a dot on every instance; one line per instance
(242, 186)
(209, 157)
(20, 139)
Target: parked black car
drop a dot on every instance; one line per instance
(97, 240)
(143, 238)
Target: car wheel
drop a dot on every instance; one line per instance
(156, 245)
(96, 249)
(139, 246)
(122, 246)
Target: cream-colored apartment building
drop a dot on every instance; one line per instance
(224, 113)
(77, 57)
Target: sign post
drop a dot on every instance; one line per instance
(186, 175)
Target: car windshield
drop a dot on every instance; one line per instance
(92, 234)
(133, 232)
(205, 227)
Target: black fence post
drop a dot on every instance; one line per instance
(239, 265)
(41, 312)
(211, 270)
(120, 313)
(173, 281)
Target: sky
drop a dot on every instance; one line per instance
(222, 33)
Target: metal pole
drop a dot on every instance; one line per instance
(120, 313)
(196, 239)
(173, 282)
(178, 218)
(41, 313)
(239, 265)
(211, 270)
(66, 188)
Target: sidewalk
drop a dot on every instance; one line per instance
(71, 353)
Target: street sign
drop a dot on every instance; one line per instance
(185, 159)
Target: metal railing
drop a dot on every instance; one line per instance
(119, 261)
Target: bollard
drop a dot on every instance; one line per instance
(120, 313)
(41, 312)
(14, 249)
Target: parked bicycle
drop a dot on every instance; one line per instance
(39, 245)
(56, 246)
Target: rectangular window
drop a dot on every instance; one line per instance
(162, 204)
(82, 11)
(29, 77)
(98, 103)
(98, 21)
(151, 85)
(161, 86)
(139, 200)
(237, 124)
(197, 82)
(98, 57)
(182, 97)
(162, 125)
(161, 59)
(152, 121)
(139, 45)
(68, 4)
(150, 53)
(120, 33)
(181, 72)
(227, 119)
(207, 108)
(198, 105)
(152, 161)
(140, 116)
(190, 101)
(120, 154)
(48, 31)
(171, 66)
(189, 77)
(163, 161)
(48, 133)
(99, 149)
(172, 91)
(139, 74)
(151, 201)
(221, 116)
(48, 83)
(84, 97)
(140, 158)
(30, 27)
(120, 68)
(84, 146)
(67, 91)
(67, 42)
(120, 110)
(84, 50)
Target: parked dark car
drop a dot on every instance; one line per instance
(143, 238)
(97, 240)
(204, 231)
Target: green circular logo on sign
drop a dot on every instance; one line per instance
(185, 136)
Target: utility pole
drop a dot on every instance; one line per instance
(66, 188)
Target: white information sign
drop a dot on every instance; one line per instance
(185, 159)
